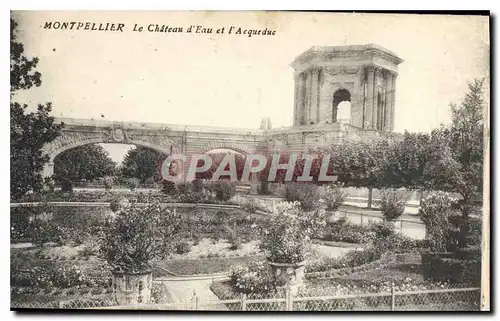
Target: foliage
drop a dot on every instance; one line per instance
(87, 162)
(182, 248)
(458, 160)
(436, 211)
(141, 163)
(307, 195)
(136, 236)
(224, 190)
(233, 238)
(108, 183)
(254, 277)
(132, 183)
(392, 203)
(28, 131)
(351, 259)
(286, 237)
(66, 186)
(333, 197)
(50, 276)
(343, 231)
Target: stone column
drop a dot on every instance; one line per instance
(309, 85)
(393, 101)
(300, 99)
(375, 111)
(314, 116)
(296, 101)
(388, 103)
(369, 97)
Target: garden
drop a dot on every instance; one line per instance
(79, 253)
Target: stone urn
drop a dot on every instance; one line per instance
(132, 288)
(292, 273)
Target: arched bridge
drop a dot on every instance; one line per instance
(189, 140)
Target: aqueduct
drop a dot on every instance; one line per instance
(365, 75)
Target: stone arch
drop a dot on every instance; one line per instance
(339, 96)
(237, 147)
(58, 147)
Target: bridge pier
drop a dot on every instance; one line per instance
(48, 169)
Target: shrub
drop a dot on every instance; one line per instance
(436, 211)
(233, 238)
(224, 191)
(333, 197)
(382, 230)
(115, 205)
(254, 277)
(264, 187)
(250, 205)
(351, 259)
(108, 183)
(197, 185)
(149, 182)
(343, 231)
(392, 203)
(306, 194)
(182, 248)
(169, 188)
(132, 183)
(286, 237)
(137, 235)
(48, 183)
(66, 186)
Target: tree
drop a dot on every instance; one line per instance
(85, 162)
(29, 131)
(362, 164)
(141, 163)
(458, 165)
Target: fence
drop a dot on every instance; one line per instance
(460, 299)
(413, 228)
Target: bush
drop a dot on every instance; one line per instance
(132, 183)
(108, 183)
(392, 203)
(137, 235)
(264, 187)
(233, 238)
(48, 183)
(224, 191)
(382, 230)
(182, 248)
(169, 188)
(197, 185)
(306, 194)
(343, 231)
(255, 277)
(285, 238)
(66, 186)
(333, 197)
(115, 205)
(438, 215)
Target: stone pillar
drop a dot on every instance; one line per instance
(375, 112)
(296, 108)
(309, 83)
(388, 103)
(314, 96)
(369, 97)
(300, 99)
(393, 101)
(48, 169)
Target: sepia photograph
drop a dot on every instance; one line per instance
(239, 161)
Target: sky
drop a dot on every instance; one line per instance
(236, 80)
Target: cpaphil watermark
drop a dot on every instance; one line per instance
(300, 168)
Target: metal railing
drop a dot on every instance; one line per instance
(459, 299)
